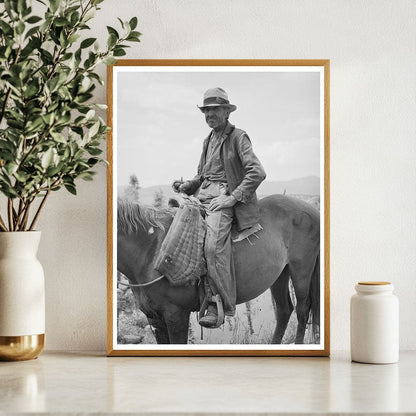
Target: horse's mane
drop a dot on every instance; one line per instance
(133, 217)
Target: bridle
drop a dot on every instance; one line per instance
(142, 284)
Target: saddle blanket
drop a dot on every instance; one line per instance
(181, 257)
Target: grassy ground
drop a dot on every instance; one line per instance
(133, 327)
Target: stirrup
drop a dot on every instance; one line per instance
(220, 310)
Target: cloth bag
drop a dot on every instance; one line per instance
(181, 257)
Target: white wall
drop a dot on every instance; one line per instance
(371, 45)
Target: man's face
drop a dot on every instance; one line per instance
(216, 117)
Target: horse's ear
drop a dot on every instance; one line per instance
(150, 231)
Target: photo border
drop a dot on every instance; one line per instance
(111, 350)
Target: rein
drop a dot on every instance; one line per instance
(142, 284)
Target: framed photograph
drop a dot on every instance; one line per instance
(218, 208)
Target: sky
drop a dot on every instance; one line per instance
(159, 129)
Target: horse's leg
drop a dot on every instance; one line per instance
(301, 279)
(284, 306)
(160, 330)
(177, 322)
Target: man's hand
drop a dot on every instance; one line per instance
(221, 202)
(176, 186)
(181, 186)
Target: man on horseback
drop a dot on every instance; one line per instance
(228, 175)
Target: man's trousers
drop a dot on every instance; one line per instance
(218, 249)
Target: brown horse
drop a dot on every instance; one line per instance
(287, 247)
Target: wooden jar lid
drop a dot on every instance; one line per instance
(374, 283)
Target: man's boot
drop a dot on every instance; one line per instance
(209, 320)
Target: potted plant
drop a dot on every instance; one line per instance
(50, 136)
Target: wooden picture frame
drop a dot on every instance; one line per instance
(152, 111)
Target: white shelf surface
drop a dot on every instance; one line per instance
(88, 383)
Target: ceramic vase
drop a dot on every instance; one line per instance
(22, 296)
(374, 323)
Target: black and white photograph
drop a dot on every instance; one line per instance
(219, 208)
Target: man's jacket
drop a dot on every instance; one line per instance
(243, 171)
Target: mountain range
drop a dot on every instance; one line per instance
(308, 185)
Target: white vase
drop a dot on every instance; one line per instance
(374, 323)
(22, 296)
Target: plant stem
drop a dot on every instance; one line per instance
(2, 224)
(20, 214)
(39, 209)
(3, 109)
(10, 213)
(26, 216)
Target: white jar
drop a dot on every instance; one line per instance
(374, 323)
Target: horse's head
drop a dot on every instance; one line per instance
(140, 231)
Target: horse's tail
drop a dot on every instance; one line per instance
(315, 299)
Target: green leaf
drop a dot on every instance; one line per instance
(8, 191)
(121, 22)
(21, 177)
(87, 42)
(10, 8)
(70, 188)
(112, 31)
(67, 56)
(48, 118)
(31, 90)
(73, 38)
(52, 171)
(90, 14)
(78, 154)
(20, 28)
(58, 137)
(119, 52)
(16, 124)
(92, 161)
(35, 125)
(90, 114)
(67, 153)
(21, 5)
(47, 158)
(11, 168)
(54, 4)
(33, 19)
(133, 23)
(133, 39)
(6, 29)
(112, 41)
(86, 176)
(110, 60)
(134, 36)
(94, 151)
(94, 129)
(74, 18)
(61, 21)
(53, 83)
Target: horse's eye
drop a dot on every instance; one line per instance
(151, 230)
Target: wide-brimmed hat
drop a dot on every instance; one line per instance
(216, 97)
